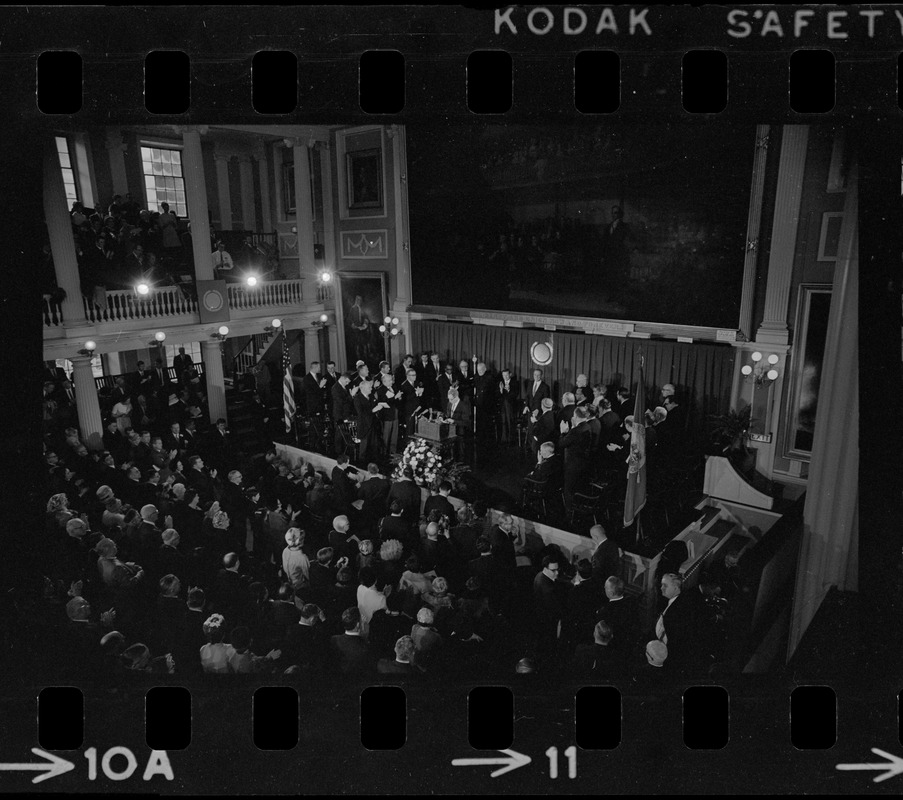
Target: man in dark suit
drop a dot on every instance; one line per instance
(458, 411)
(624, 403)
(330, 377)
(182, 364)
(313, 386)
(441, 503)
(678, 624)
(229, 594)
(606, 558)
(447, 380)
(582, 392)
(402, 666)
(395, 526)
(601, 658)
(412, 403)
(407, 493)
(365, 404)
(485, 568)
(484, 398)
(348, 652)
(385, 393)
(576, 445)
(143, 381)
(374, 491)
(401, 371)
(566, 412)
(161, 382)
(427, 375)
(548, 466)
(509, 398)
(344, 488)
(537, 391)
(544, 427)
(548, 605)
(342, 406)
(305, 643)
(621, 613)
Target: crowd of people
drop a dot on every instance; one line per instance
(126, 244)
(172, 551)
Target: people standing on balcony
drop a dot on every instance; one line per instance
(222, 261)
(122, 411)
(168, 223)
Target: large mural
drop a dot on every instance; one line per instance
(643, 223)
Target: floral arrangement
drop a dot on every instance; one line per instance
(424, 459)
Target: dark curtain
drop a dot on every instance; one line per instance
(702, 373)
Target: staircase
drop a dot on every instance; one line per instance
(251, 354)
(242, 423)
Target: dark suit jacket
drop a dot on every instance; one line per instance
(375, 493)
(342, 404)
(313, 395)
(350, 655)
(344, 491)
(681, 620)
(363, 413)
(545, 429)
(407, 493)
(534, 401)
(548, 470)
(410, 401)
(397, 528)
(606, 560)
(510, 397)
(387, 666)
(461, 415)
(440, 503)
(484, 387)
(576, 446)
(306, 646)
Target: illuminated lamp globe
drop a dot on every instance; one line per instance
(276, 323)
(326, 276)
(773, 358)
(223, 330)
(395, 321)
(746, 369)
(388, 320)
(757, 356)
(160, 336)
(772, 375)
(382, 328)
(395, 331)
(89, 345)
(251, 280)
(142, 288)
(324, 318)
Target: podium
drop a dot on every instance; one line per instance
(433, 431)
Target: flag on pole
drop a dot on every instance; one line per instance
(636, 461)
(288, 386)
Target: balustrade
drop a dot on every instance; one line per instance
(265, 293)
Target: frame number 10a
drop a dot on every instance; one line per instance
(570, 754)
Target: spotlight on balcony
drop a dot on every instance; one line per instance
(324, 276)
(143, 289)
(251, 280)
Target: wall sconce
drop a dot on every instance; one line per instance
(762, 372)
(88, 349)
(159, 338)
(322, 322)
(142, 289)
(389, 329)
(221, 333)
(274, 326)
(324, 276)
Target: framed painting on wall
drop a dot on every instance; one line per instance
(360, 309)
(802, 401)
(364, 173)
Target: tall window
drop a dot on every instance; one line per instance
(62, 150)
(192, 349)
(163, 181)
(96, 366)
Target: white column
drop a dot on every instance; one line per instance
(222, 190)
(402, 239)
(62, 242)
(196, 197)
(116, 152)
(829, 554)
(794, 141)
(311, 346)
(304, 221)
(87, 405)
(329, 256)
(263, 176)
(213, 371)
(247, 192)
(753, 225)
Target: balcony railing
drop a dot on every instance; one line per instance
(163, 302)
(265, 293)
(125, 304)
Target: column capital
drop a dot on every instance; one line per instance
(221, 154)
(243, 158)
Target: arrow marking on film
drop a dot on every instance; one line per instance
(513, 761)
(893, 766)
(53, 766)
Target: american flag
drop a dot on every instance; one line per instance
(288, 387)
